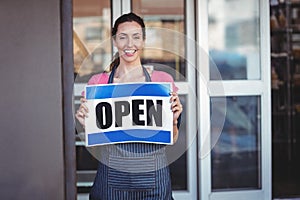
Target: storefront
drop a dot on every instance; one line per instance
(238, 137)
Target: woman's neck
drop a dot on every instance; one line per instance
(129, 73)
(128, 69)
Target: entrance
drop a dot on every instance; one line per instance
(170, 47)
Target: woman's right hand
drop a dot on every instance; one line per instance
(82, 112)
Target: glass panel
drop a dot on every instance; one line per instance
(165, 38)
(233, 37)
(165, 46)
(177, 154)
(91, 30)
(92, 46)
(235, 158)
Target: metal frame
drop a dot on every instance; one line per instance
(187, 88)
(68, 82)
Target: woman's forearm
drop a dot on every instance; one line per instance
(175, 132)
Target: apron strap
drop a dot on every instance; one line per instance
(112, 74)
(147, 75)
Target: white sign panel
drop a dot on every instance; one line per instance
(132, 112)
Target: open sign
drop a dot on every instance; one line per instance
(132, 112)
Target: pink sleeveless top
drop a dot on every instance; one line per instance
(156, 76)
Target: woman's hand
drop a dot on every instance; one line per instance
(177, 109)
(82, 112)
(176, 106)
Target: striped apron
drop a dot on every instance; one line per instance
(132, 171)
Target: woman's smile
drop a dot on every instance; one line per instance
(130, 52)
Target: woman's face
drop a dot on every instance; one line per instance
(129, 41)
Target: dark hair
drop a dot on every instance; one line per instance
(129, 17)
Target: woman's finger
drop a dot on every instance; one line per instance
(83, 108)
(83, 100)
(174, 96)
(82, 114)
(83, 105)
(178, 107)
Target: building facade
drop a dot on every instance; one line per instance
(217, 51)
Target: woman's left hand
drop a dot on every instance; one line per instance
(176, 106)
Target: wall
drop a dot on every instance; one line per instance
(31, 144)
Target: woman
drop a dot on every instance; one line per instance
(132, 170)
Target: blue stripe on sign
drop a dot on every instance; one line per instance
(125, 90)
(132, 135)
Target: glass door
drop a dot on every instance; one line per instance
(170, 46)
(234, 87)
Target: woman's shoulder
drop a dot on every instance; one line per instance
(101, 78)
(161, 76)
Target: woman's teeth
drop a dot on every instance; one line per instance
(130, 51)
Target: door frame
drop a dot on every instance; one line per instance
(261, 88)
(66, 10)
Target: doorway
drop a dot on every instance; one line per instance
(240, 77)
(168, 44)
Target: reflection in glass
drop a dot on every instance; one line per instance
(235, 158)
(234, 39)
(91, 25)
(165, 34)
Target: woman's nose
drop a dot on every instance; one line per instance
(130, 42)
